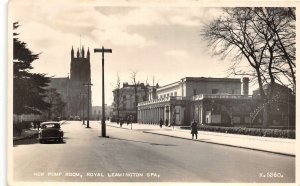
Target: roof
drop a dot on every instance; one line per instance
(169, 85)
(210, 79)
(237, 80)
(50, 122)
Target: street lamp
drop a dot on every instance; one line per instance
(82, 101)
(103, 50)
(88, 107)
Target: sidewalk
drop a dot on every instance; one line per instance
(266, 144)
(31, 133)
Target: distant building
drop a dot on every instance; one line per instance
(97, 112)
(207, 100)
(124, 100)
(72, 88)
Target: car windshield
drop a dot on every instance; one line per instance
(50, 125)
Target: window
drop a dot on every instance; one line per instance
(195, 91)
(167, 95)
(175, 93)
(214, 91)
(172, 94)
(232, 91)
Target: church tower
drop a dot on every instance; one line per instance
(80, 73)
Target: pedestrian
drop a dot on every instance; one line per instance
(39, 125)
(167, 122)
(161, 122)
(194, 129)
(173, 123)
(121, 122)
(128, 120)
(118, 120)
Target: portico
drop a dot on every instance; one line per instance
(169, 108)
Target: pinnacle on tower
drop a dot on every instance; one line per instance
(88, 53)
(82, 52)
(72, 53)
(77, 53)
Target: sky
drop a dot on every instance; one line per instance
(158, 42)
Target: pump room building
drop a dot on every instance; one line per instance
(207, 100)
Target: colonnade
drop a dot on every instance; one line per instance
(152, 115)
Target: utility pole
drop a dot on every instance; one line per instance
(88, 107)
(82, 101)
(103, 126)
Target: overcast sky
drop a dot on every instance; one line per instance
(159, 41)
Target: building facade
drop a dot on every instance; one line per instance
(124, 104)
(97, 112)
(207, 100)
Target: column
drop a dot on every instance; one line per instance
(143, 116)
(148, 115)
(157, 118)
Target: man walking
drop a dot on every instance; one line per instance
(194, 129)
(161, 122)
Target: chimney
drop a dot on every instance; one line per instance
(245, 86)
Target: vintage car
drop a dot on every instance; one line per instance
(50, 131)
(77, 118)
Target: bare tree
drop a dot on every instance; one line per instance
(280, 23)
(257, 35)
(57, 105)
(135, 85)
(117, 95)
(146, 90)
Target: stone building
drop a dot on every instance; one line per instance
(72, 89)
(207, 100)
(281, 105)
(124, 104)
(97, 112)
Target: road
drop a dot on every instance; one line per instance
(134, 156)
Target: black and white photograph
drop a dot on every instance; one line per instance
(151, 92)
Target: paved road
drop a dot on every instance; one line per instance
(134, 156)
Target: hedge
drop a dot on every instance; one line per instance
(277, 133)
(18, 127)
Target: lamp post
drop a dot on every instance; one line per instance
(103, 126)
(82, 101)
(88, 107)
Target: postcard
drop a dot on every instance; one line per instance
(159, 92)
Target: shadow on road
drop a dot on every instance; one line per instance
(25, 142)
(55, 142)
(142, 142)
(34, 141)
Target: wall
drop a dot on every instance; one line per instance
(206, 87)
(169, 90)
(186, 87)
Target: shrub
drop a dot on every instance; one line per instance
(19, 127)
(278, 133)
